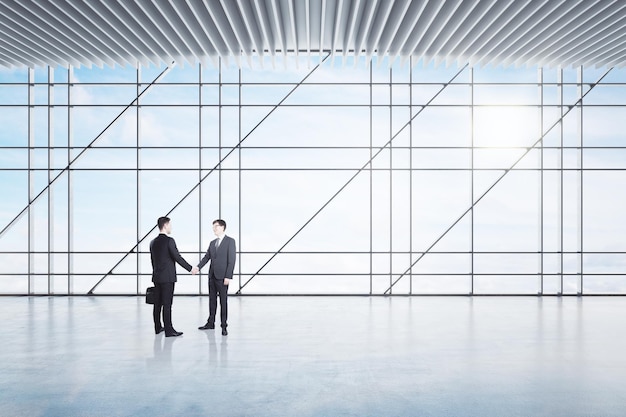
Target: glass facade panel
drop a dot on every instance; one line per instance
(333, 179)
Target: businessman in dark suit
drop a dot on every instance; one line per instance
(164, 255)
(221, 253)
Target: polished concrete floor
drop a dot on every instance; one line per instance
(316, 356)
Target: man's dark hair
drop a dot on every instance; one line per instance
(162, 222)
(220, 222)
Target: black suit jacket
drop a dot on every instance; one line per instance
(163, 253)
(222, 259)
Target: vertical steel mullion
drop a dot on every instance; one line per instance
(219, 146)
(390, 180)
(410, 69)
(31, 180)
(137, 180)
(580, 183)
(239, 177)
(70, 197)
(472, 179)
(200, 122)
(541, 182)
(561, 183)
(50, 177)
(371, 108)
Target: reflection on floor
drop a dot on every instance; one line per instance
(316, 356)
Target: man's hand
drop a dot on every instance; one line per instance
(226, 281)
(195, 270)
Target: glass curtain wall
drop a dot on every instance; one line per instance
(334, 177)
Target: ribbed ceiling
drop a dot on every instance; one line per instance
(546, 33)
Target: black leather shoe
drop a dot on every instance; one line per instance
(207, 327)
(173, 334)
(159, 330)
(224, 332)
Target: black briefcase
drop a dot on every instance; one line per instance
(150, 295)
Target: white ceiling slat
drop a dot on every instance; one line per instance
(188, 19)
(45, 19)
(438, 17)
(614, 51)
(158, 27)
(226, 34)
(182, 35)
(457, 20)
(87, 30)
(28, 35)
(512, 19)
(336, 27)
(351, 19)
(138, 27)
(8, 63)
(252, 27)
(395, 19)
(579, 18)
(476, 23)
(118, 46)
(437, 28)
(378, 26)
(314, 24)
(6, 60)
(236, 22)
(611, 23)
(488, 28)
(19, 22)
(263, 21)
(486, 13)
(92, 36)
(504, 33)
(322, 27)
(618, 61)
(277, 25)
(213, 44)
(345, 24)
(356, 10)
(307, 25)
(16, 55)
(292, 26)
(420, 29)
(166, 20)
(285, 9)
(410, 20)
(263, 15)
(591, 45)
(607, 50)
(233, 16)
(77, 42)
(19, 47)
(613, 59)
(122, 32)
(545, 22)
(364, 26)
(561, 38)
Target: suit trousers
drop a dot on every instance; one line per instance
(163, 298)
(217, 288)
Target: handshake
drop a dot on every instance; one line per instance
(195, 270)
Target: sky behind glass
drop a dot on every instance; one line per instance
(283, 188)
